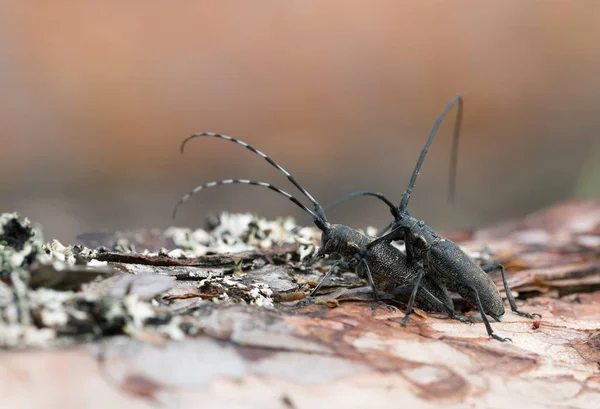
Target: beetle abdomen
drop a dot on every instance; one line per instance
(391, 270)
(462, 274)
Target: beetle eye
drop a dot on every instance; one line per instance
(420, 241)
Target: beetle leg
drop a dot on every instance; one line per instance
(511, 299)
(334, 268)
(410, 252)
(488, 327)
(408, 287)
(386, 228)
(371, 282)
(411, 300)
(396, 234)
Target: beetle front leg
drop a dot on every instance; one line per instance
(410, 252)
(394, 235)
(385, 229)
(511, 300)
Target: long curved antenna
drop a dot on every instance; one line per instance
(454, 155)
(317, 205)
(380, 196)
(436, 125)
(321, 224)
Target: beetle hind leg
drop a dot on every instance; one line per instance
(484, 318)
(511, 300)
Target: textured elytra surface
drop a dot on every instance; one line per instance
(252, 349)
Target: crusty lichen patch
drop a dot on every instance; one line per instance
(240, 232)
(36, 309)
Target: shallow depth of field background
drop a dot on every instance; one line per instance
(97, 96)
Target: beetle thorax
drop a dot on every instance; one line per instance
(422, 237)
(342, 240)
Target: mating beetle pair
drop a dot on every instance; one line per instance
(383, 265)
(443, 259)
(432, 265)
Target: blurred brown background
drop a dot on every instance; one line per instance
(97, 96)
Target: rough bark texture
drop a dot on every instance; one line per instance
(345, 351)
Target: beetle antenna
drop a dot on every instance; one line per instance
(318, 208)
(454, 159)
(321, 224)
(380, 196)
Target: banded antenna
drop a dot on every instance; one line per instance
(318, 208)
(454, 159)
(323, 225)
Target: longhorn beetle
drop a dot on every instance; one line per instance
(388, 264)
(442, 258)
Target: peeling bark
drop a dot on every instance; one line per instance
(344, 350)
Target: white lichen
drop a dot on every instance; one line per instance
(240, 232)
(177, 253)
(261, 294)
(96, 263)
(56, 251)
